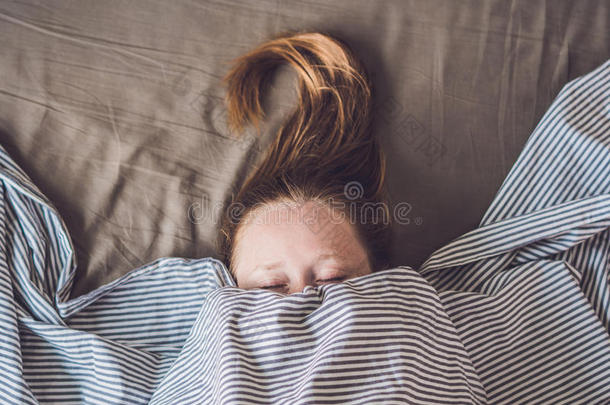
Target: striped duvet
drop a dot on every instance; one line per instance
(515, 311)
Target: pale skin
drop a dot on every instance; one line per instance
(284, 248)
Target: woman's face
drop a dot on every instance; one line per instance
(285, 247)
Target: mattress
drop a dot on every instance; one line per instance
(115, 109)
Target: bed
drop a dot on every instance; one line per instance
(114, 112)
(115, 109)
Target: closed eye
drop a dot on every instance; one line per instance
(271, 287)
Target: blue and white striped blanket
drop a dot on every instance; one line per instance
(515, 311)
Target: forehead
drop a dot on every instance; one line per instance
(309, 226)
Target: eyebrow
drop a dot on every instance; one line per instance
(269, 266)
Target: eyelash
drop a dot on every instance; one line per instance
(281, 285)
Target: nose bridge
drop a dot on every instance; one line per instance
(301, 277)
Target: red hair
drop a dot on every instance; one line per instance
(325, 145)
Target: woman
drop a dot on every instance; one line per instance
(303, 184)
(515, 311)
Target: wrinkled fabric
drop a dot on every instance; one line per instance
(515, 311)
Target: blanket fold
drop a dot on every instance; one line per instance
(514, 311)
